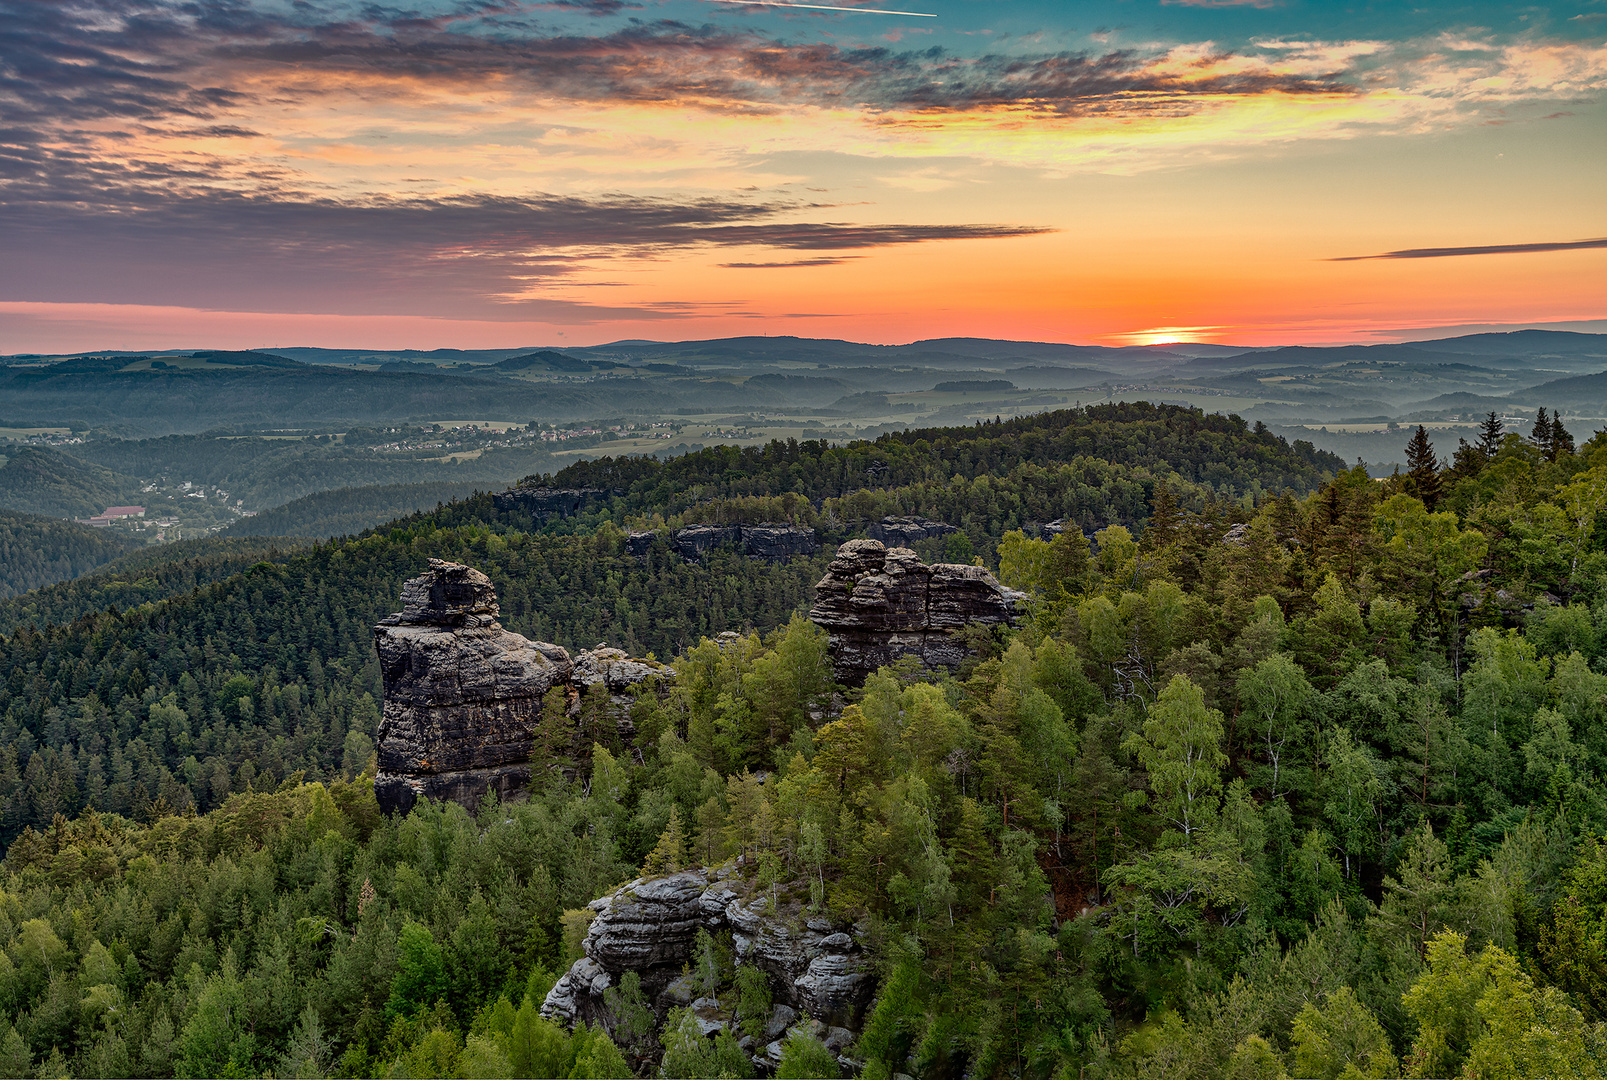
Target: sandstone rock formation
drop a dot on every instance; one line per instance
(774, 542)
(464, 697)
(904, 531)
(878, 603)
(778, 542)
(814, 966)
(543, 503)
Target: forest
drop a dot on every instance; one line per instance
(350, 510)
(1287, 772)
(37, 551)
(1199, 447)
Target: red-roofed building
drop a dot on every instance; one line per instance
(113, 513)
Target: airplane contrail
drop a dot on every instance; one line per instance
(829, 7)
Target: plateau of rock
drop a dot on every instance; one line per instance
(878, 604)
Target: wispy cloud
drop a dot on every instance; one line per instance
(1480, 249)
(786, 265)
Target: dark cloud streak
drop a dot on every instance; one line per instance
(1484, 249)
(234, 251)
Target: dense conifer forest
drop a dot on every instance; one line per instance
(1287, 772)
(36, 551)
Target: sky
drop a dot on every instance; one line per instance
(499, 173)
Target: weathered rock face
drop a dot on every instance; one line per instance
(464, 697)
(774, 542)
(878, 603)
(814, 966)
(543, 504)
(696, 541)
(904, 531)
(778, 541)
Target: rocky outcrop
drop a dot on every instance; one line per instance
(544, 503)
(464, 698)
(904, 531)
(774, 542)
(778, 542)
(815, 967)
(696, 541)
(878, 603)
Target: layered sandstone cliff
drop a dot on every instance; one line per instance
(464, 698)
(878, 604)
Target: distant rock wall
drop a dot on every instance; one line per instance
(543, 503)
(464, 697)
(878, 603)
(815, 966)
(904, 531)
(773, 542)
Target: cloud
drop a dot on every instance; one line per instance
(330, 82)
(123, 58)
(477, 254)
(1484, 249)
(785, 265)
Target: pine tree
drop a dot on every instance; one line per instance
(1561, 442)
(1422, 468)
(1491, 432)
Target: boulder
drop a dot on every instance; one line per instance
(877, 604)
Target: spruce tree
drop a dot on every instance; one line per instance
(1468, 460)
(1491, 432)
(1561, 442)
(1540, 434)
(1422, 468)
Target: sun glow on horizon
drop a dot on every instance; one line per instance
(1169, 335)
